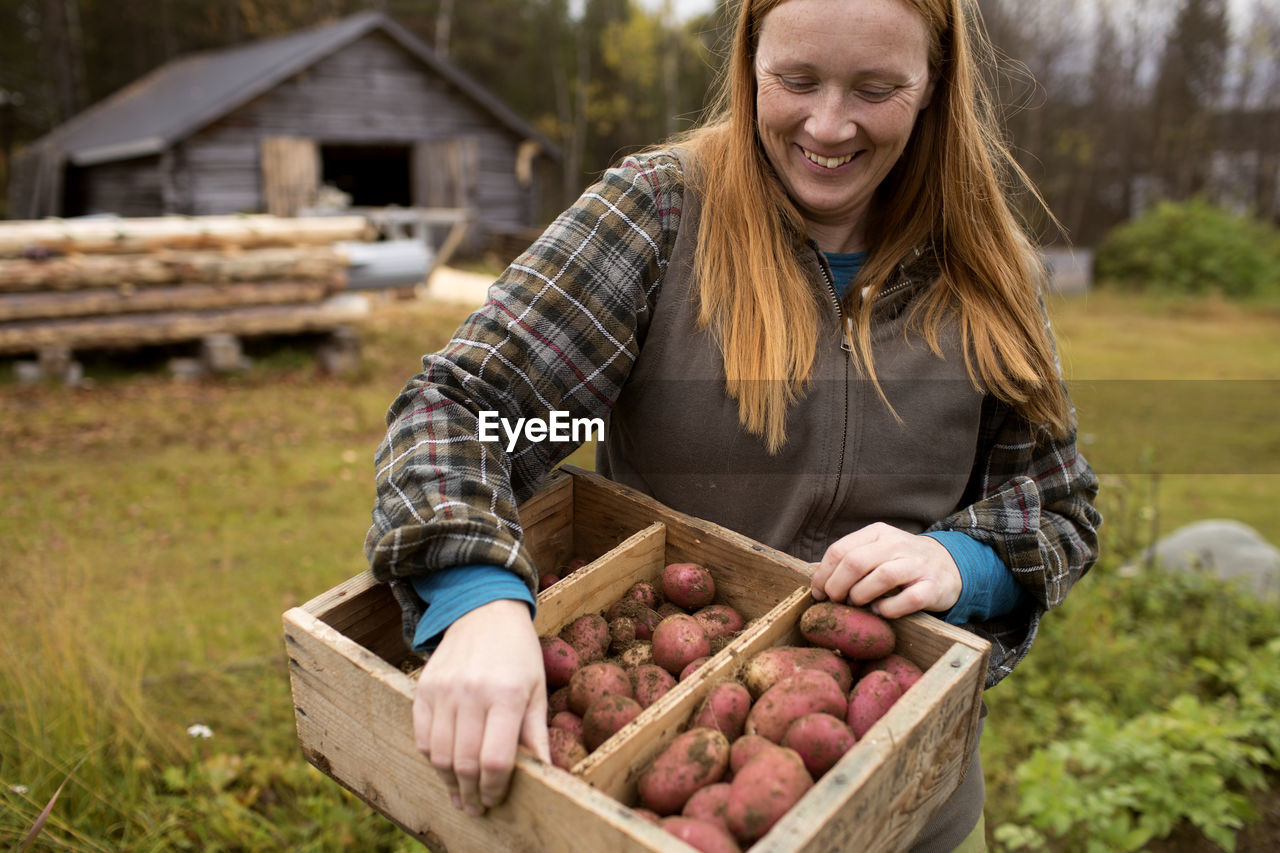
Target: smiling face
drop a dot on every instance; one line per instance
(839, 84)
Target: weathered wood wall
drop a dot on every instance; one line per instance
(372, 92)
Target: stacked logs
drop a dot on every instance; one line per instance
(126, 283)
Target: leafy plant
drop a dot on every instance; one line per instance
(1121, 782)
(1191, 248)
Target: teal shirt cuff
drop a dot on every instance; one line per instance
(453, 593)
(987, 587)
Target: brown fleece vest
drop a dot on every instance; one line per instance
(674, 432)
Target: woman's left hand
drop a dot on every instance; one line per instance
(864, 567)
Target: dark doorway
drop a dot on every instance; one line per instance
(373, 175)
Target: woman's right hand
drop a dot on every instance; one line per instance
(481, 694)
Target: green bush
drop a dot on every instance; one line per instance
(1191, 248)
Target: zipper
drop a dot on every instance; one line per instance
(903, 281)
(835, 298)
(848, 349)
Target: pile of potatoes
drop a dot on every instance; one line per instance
(756, 745)
(604, 669)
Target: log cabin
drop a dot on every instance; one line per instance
(360, 105)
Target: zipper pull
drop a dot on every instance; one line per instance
(844, 339)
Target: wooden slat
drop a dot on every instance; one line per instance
(168, 327)
(365, 611)
(354, 718)
(76, 272)
(600, 583)
(547, 521)
(190, 297)
(290, 174)
(145, 234)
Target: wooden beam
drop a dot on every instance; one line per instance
(175, 232)
(76, 272)
(132, 330)
(191, 297)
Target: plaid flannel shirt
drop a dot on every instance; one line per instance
(560, 331)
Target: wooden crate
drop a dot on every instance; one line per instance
(353, 693)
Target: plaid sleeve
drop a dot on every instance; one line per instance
(559, 333)
(1031, 499)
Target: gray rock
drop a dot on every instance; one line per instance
(1231, 550)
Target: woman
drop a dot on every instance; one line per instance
(813, 321)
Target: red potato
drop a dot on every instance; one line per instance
(548, 580)
(872, 697)
(677, 641)
(688, 585)
(568, 721)
(566, 749)
(701, 835)
(725, 710)
(589, 636)
(558, 701)
(645, 618)
(695, 759)
(806, 692)
(854, 632)
(559, 659)
(904, 671)
(820, 740)
(594, 681)
(762, 792)
(720, 620)
(773, 665)
(692, 666)
(652, 683)
(746, 748)
(667, 608)
(606, 716)
(644, 593)
(651, 816)
(572, 566)
(709, 804)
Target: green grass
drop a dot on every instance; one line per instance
(152, 531)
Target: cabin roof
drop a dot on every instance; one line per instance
(182, 96)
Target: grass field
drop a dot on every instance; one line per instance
(153, 530)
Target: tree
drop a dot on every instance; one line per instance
(1188, 93)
